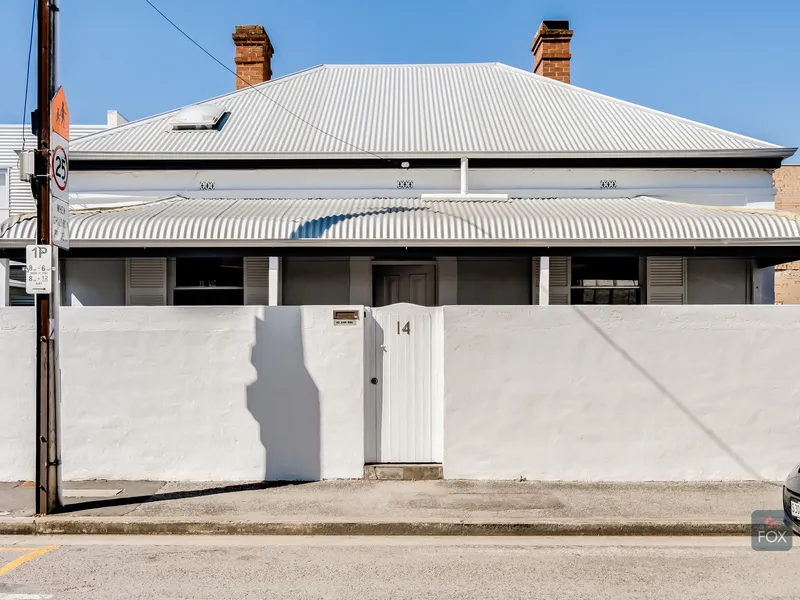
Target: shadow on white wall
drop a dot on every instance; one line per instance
(284, 399)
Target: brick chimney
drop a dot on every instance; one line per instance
(253, 55)
(551, 50)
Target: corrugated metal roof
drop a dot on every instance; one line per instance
(644, 220)
(407, 111)
(20, 197)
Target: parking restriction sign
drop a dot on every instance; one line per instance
(38, 269)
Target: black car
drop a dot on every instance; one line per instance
(791, 499)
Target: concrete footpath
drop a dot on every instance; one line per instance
(393, 508)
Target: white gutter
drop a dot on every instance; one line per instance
(105, 155)
(464, 176)
(444, 243)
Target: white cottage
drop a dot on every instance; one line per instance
(429, 185)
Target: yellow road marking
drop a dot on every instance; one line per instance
(25, 558)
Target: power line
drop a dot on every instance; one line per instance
(275, 102)
(28, 73)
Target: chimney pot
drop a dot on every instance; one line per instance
(551, 53)
(253, 55)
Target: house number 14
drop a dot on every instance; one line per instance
(406, 328)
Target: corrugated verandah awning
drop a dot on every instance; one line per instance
(524, 222)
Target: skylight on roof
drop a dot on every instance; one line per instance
(198, 116)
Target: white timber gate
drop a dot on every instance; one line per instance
(404, 388)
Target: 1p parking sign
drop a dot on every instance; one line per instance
(770, 531)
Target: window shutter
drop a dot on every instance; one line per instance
(560, 272)
(146, 282)
(666, 280)
(256, 280)
(536, 266)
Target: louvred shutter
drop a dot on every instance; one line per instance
(146, 282)
(666, 280)
(256, 280)
(560, 270)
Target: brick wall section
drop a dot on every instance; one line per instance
(551, 53)
(253, 55)
(787, 276)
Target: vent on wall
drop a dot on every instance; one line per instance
(198, 117)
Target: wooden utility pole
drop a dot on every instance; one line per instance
(48, 456)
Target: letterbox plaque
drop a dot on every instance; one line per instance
(345, 318)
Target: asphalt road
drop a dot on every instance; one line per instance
(100, 568)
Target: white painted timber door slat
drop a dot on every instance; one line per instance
(407, 399)
(146, 281)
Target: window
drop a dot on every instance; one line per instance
(4, 188)
(16, 283)
(605, 281)
(209, 281)
(199, 116)
(5, 193)
(19, 297)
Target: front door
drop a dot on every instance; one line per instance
(404, 283)
(404, 411)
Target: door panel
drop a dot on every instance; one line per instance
(418, 288)
(404, 283)
(405, 398)
(388, 290)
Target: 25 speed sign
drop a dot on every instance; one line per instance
(60, 167)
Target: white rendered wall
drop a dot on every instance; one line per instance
(17, 393)
(621, 393)
(542, 392)
(192, 393)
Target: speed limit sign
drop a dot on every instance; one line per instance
(60, 168)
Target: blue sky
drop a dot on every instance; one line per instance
(734, 64)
